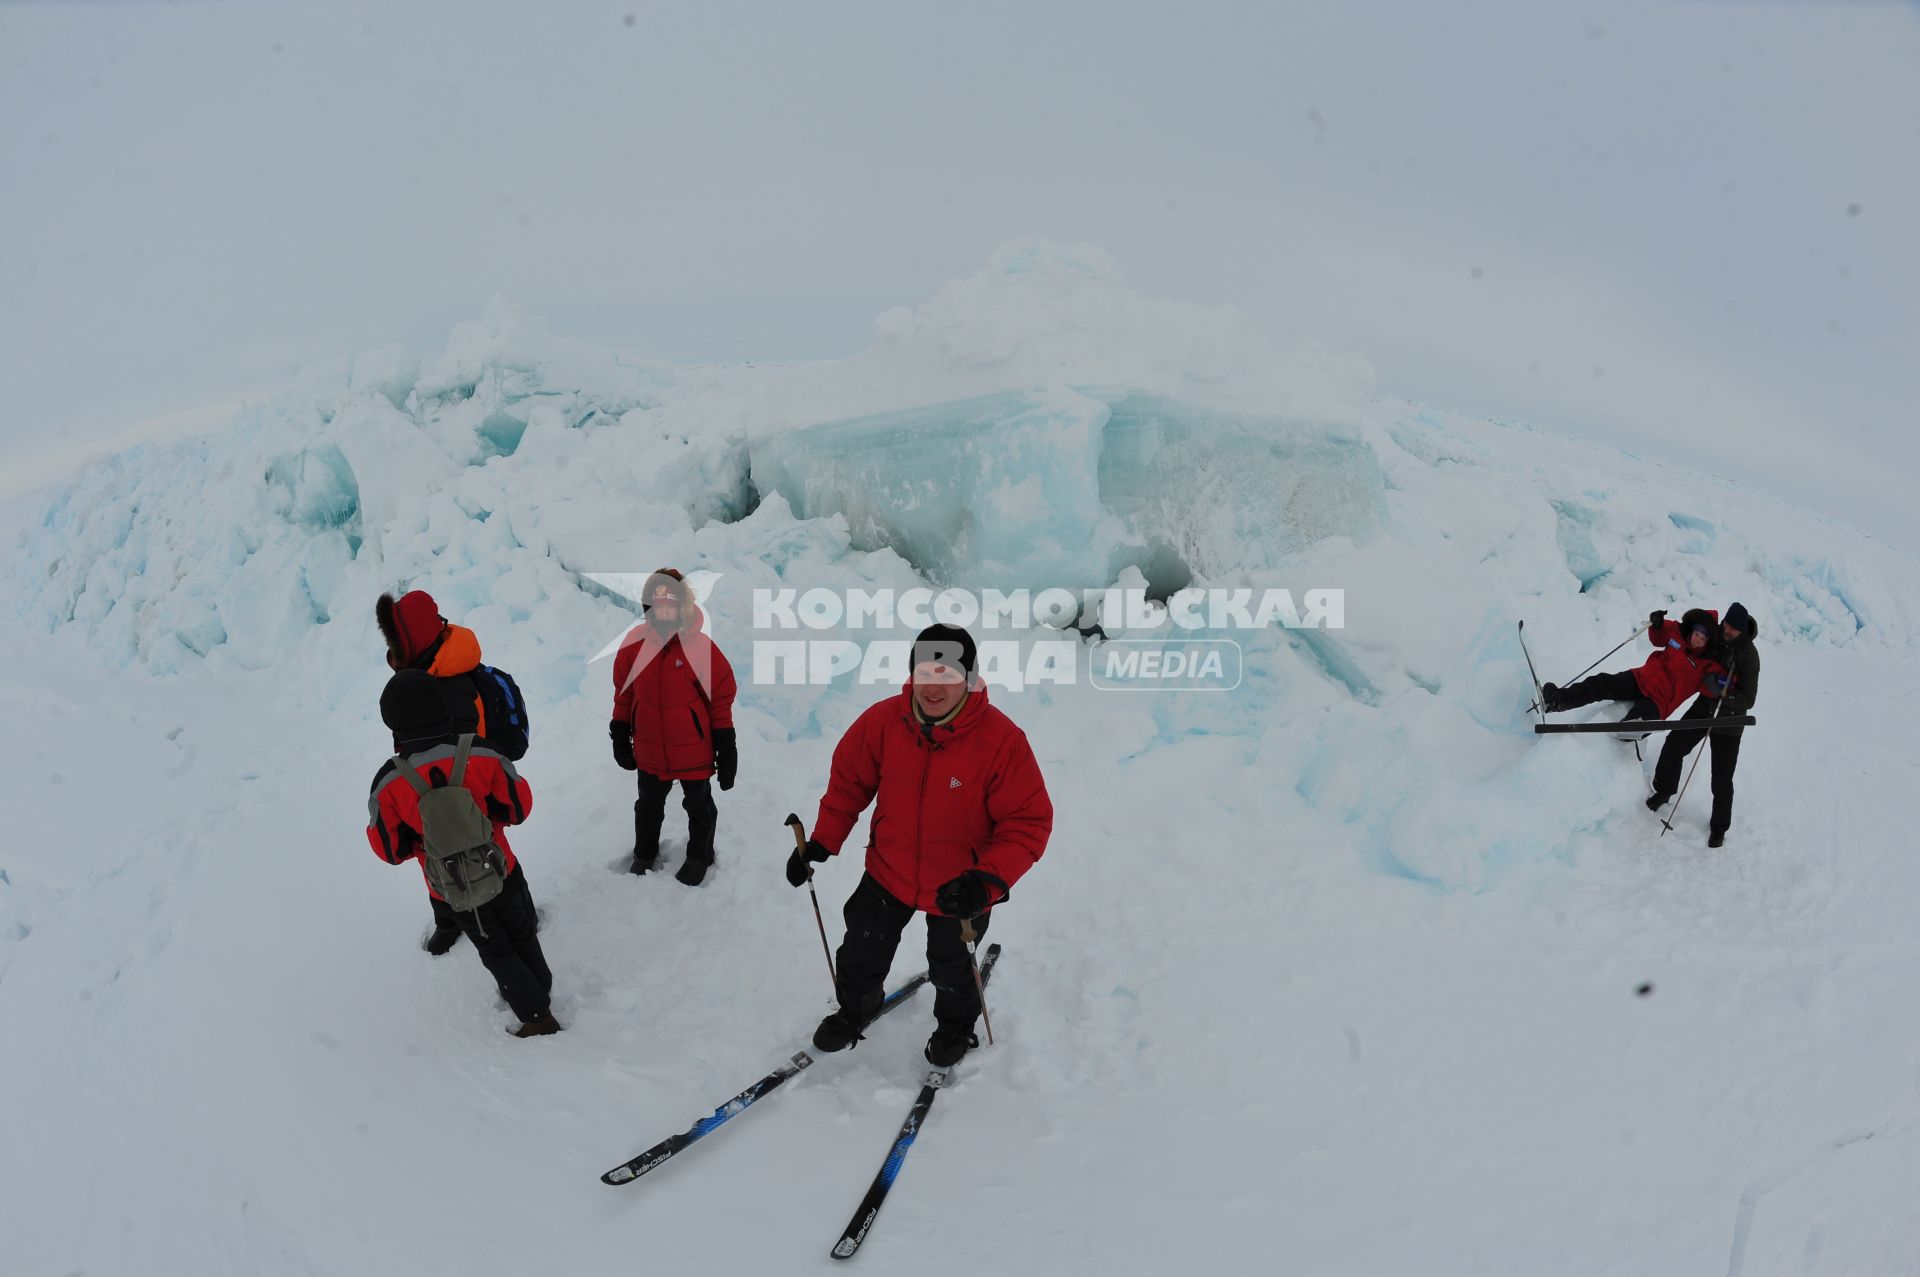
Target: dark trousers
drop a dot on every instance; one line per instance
(874, 923)
(511, 946)
(1726, 754)
(443, 915)
(1609, 687)
(650, 809)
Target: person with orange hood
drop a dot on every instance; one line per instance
(672, 721)
(419, 638)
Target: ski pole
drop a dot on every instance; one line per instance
(1622, 643)
(968, 934)
(800, 845)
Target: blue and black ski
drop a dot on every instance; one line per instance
(856, 1230)
(640, 1164)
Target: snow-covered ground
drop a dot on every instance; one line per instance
(1337, 973)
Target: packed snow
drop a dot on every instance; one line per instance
(1337, 972)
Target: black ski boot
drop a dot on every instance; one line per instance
(836, 1033)
(702, 818)
(1715, 837)
(843, 1028)
(948, 1046)
(1656, 801)
(643, 861)
(1550, 698)
(442, 939)
(539, 1026)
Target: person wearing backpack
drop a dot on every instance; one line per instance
(481, 699)
(445, 799)
(672, 721)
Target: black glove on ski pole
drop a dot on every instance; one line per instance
(803, 854)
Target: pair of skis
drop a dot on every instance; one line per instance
(869, 1210)
(1642, 725)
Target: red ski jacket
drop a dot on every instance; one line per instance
(966, 794)
(1672, 675)
(673, 689)
(393, 809)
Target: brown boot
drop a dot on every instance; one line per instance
(538, 1027)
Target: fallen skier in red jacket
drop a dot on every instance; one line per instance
(1685, 654)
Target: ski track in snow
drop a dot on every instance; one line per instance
(1335, 975)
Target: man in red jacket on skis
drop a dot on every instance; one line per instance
(963, 812)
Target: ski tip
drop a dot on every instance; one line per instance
(993, 950)
(856, 1232)
(618, 1175)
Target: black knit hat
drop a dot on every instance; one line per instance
(948, 644)
(414, 707)
(1740, 619)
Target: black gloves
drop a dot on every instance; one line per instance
(797, 871)
(1656, 619)
(726, 756)
(969, 895)
(622, 735)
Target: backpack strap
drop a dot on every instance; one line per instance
(406, 769)
(460, 756)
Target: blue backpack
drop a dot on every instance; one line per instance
(505, 708)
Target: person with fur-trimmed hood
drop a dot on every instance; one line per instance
(962, 814)
(673, 693)
(1684, 653)
(1729, 693)
(419, 638)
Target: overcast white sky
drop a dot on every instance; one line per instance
(1685, 224)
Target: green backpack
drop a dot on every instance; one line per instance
(463, 866)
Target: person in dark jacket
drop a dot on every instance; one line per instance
(505, 931)
(672, 721)
(963, 812)
(1729, 693)
(419, 638)
(1684, 653)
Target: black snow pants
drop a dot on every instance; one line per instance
(1726, 755)
(511, 946)
(650, 810)
(874, 923)
(1609, 687)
